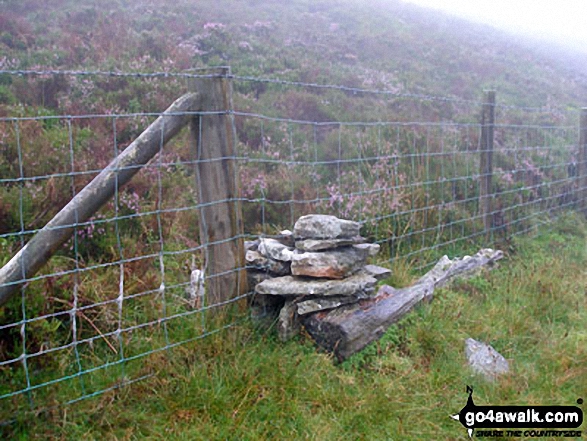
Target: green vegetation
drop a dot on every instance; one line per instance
(243, 384)
(412, 178)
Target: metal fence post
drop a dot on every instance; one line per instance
(220, 214)
(486, 162)
(582, 160)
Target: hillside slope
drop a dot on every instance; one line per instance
(383, 44)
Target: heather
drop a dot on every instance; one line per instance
(370, 112)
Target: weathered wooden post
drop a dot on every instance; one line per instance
(218, 191)
(47, 241)
(486, 163)
(582, 161)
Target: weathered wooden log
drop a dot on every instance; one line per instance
(48, 240)
(348, 329)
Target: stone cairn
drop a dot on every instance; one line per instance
(322, 265)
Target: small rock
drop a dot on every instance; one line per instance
(371, 248)
(378, 272)
(286, 237)
(261, 262)
(319, 226)
(275, 250)
(334, 264)
(485, 360)
(251, 245)
(255, 258)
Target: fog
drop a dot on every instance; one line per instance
(561, 22)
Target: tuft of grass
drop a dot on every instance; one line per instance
(243, 384)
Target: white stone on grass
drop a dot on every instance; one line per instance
(485, 360)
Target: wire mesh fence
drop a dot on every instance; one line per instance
(412, 176)
(130, 283)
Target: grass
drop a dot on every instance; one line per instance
(245, 385)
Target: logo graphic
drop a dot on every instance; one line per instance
(474, 417)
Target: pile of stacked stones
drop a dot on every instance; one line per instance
(320, 266)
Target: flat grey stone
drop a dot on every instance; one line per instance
(485, 360)
(321, 226)
(326, 244)
(361, 285)
(378, 272)
(371, 248)
(332, 264)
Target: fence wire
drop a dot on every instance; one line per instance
(126, 287)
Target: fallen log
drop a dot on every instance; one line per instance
(346, 330)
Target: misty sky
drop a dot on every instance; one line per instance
(560, 20)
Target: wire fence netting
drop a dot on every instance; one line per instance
(129, 284)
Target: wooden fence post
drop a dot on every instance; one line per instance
(218, 191)
(486, 163)
(582, 161)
